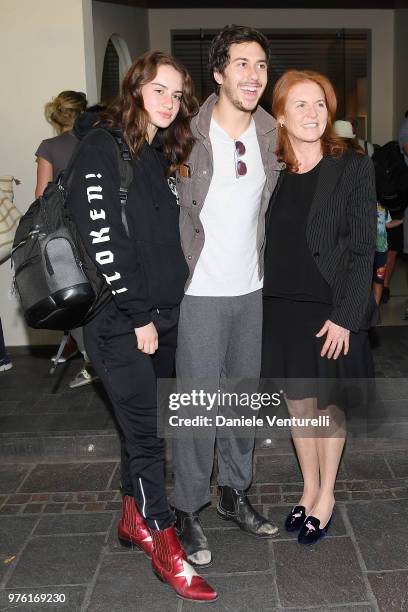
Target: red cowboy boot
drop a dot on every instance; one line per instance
(132, 529)
(169, 563)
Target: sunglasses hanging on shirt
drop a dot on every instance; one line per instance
(240, 166)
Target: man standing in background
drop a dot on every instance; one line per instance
(403, 143)
(403, 137)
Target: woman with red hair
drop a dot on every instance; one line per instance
(321, 231)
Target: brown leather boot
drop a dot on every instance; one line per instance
(169, 563)
(132, 528)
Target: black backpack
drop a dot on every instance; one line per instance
(391, 175)
(57, 282)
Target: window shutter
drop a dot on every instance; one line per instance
(110, 75)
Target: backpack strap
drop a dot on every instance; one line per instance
(124, 158)
(126, 174)
(64, 179)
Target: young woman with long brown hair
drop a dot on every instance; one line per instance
(317, 289)
(132, 341)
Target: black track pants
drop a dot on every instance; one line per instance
(130, 379)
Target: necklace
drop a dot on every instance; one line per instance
(303, 168)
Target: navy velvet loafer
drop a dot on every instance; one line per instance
(310, 532)
(295, 518)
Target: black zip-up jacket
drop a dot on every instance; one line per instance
(146, 270)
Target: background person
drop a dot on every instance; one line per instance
(344, 129)
(132, 340)
(54, 153)
(397, 232)
(384, 223)
(403, 137)
(403, 143)
(395, 243)
(53, 156)
(317, 290)
(366, 145)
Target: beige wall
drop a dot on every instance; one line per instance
(42, 46)
(401, 67)
(381, 23)
(128, 22)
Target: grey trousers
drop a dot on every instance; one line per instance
(218, 338)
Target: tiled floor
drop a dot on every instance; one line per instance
(59, 508)
(395, 312)
(361, 564)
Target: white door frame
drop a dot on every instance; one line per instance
(123, 53)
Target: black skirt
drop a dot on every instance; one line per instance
(291, 353)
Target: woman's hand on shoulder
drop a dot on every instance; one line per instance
(147, 338)
(337, 340)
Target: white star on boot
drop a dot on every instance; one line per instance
(188, 572)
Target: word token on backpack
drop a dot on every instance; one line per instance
(57, 282)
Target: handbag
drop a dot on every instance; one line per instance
(9, 216)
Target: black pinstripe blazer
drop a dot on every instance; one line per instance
(341, 235)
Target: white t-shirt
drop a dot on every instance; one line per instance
(228, 264)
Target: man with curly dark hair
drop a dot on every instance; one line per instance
(225, 187)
